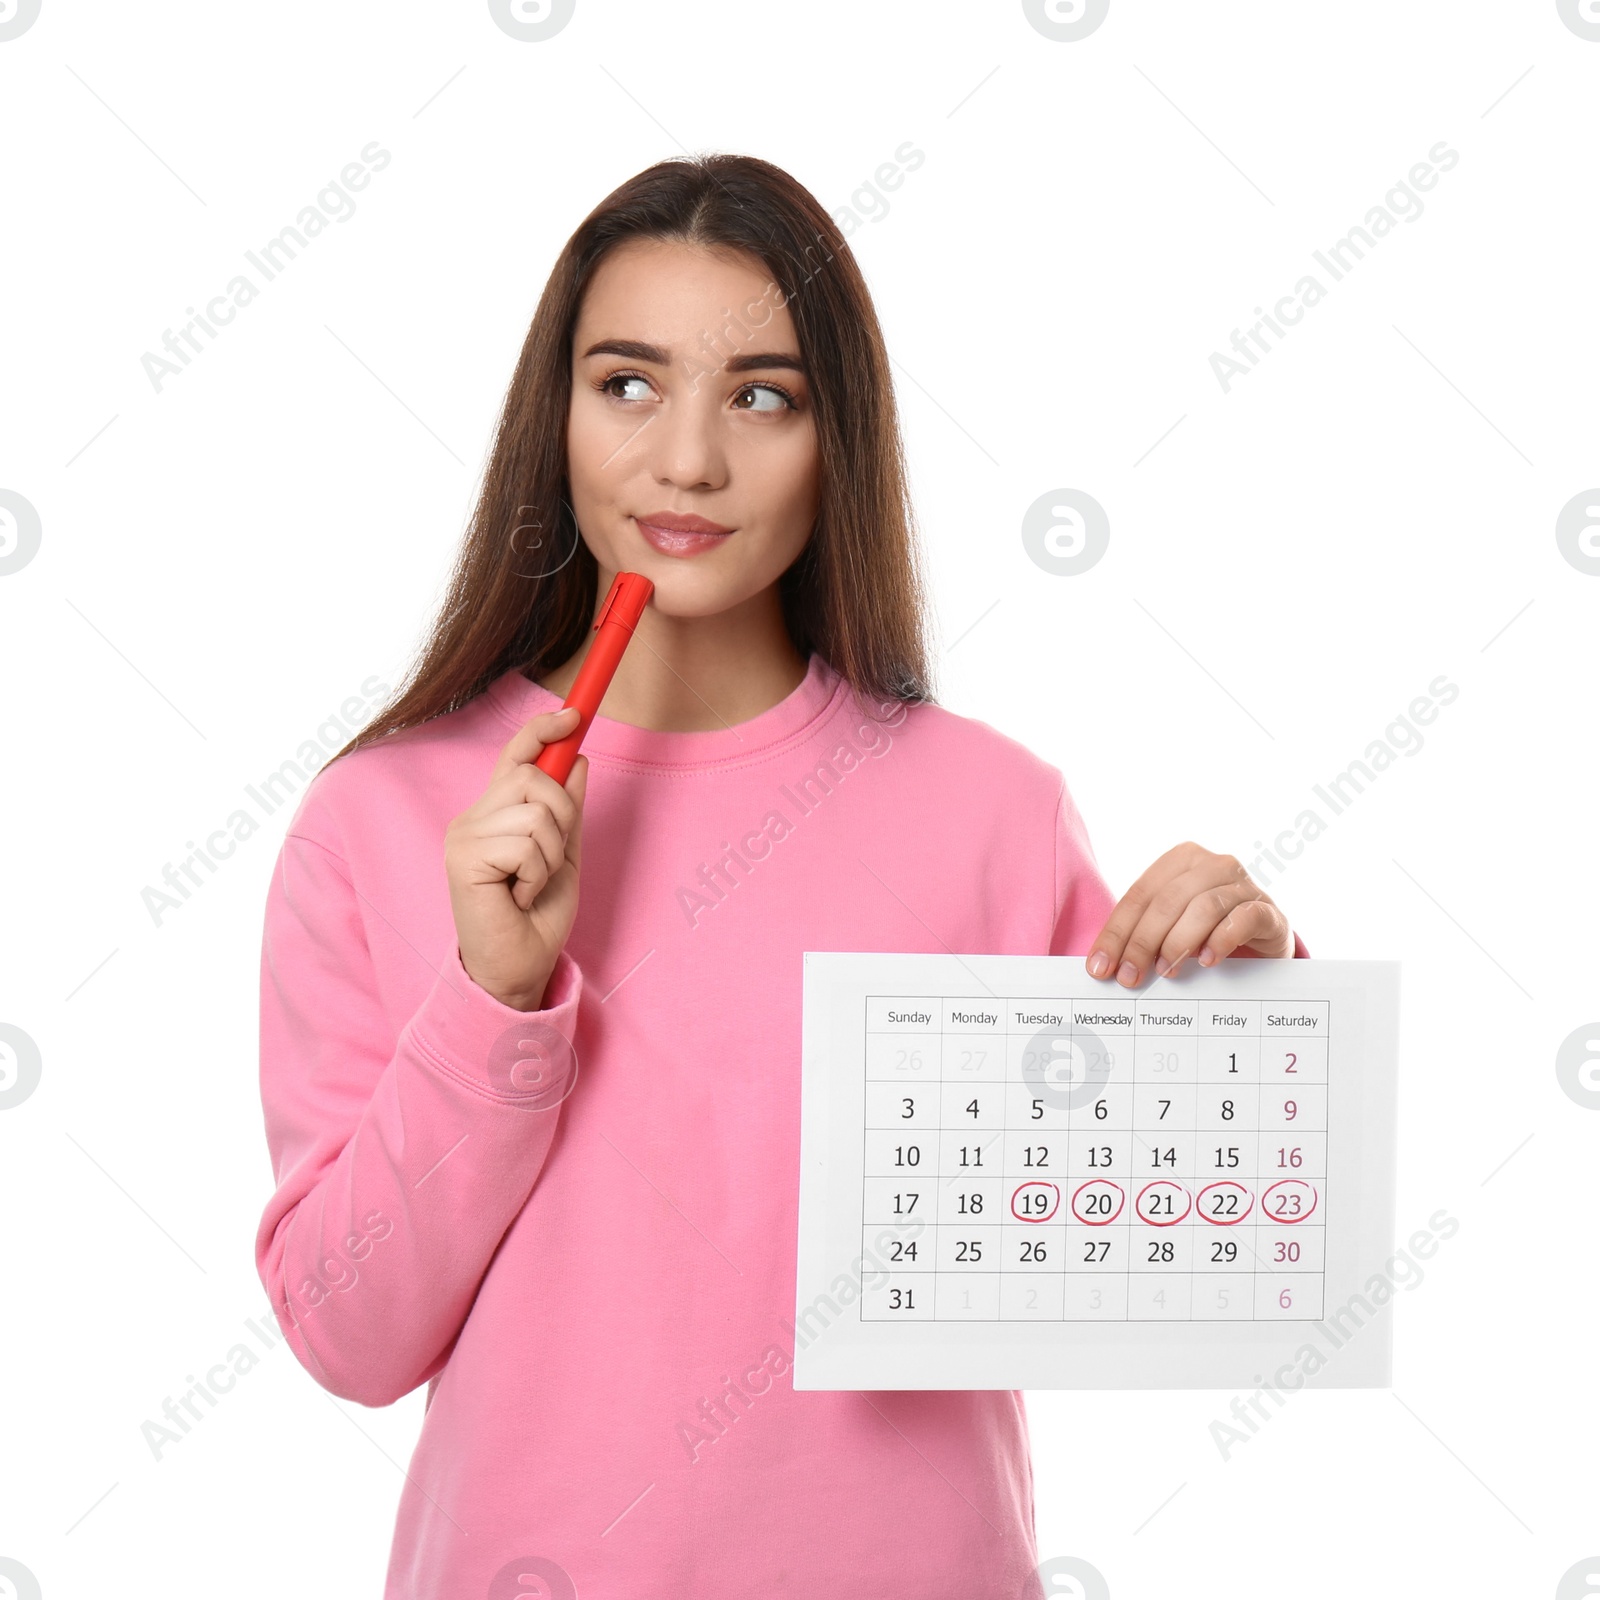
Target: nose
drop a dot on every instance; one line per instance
(688, 449)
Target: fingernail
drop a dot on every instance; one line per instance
(1099, 964)
(1163, 966)
(1127, 973)
(1207, 955)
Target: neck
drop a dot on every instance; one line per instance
(693, 674)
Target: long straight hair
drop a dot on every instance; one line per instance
(523, 590)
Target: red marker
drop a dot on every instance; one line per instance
(618, 617)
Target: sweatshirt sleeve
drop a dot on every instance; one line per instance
(399, 1163)
(1082, 900)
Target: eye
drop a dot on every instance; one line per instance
(785, 400)
(605, 384)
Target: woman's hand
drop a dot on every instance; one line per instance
(512, 862)
(1186, 901)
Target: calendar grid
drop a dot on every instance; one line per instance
(1077, 1160)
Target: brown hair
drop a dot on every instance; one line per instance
(523, 591)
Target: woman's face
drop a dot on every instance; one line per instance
(689, 402)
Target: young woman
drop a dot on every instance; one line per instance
(530, 1052)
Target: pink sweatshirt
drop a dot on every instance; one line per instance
(592, 1263)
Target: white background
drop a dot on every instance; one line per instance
(223, 562)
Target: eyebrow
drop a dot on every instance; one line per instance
(638, 350)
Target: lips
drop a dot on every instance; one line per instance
(676, 535)
(675, 522)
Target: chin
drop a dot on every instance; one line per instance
(685, 589)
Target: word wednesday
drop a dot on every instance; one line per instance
(1401, 204)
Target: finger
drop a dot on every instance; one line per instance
(1256, 922)
(1105, 954)
(1216, 884)
(528, 885)
(524, 784)
(506, 860)
(531, 738)
(1149, 909)
(1204, 913)
(577, 790)
(577, 787)
(531, 822)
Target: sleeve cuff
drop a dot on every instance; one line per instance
(524, 1058)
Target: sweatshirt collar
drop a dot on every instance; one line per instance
(518, 698)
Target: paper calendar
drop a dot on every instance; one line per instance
(1014, 1176)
